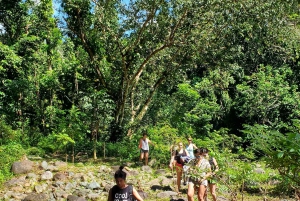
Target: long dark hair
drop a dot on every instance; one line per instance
(120, 173)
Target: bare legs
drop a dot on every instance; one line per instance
(179, 175)
(191, 191)
(146, 155)
(212, 188)
(201, 192)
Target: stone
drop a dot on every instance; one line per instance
(60, 164)
(14, 181)
(166, 182)
(59, 176)
(152, 162)
(44, 165)
(160, 172)
(146, 168)
(166, 194)
(47, 175)
(75, 198)
(93, 185)
(36, 197)
(22, 167)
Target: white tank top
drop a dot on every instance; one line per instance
(145, 145)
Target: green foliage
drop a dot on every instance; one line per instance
(56, 142)
(8, 135)
(8, 154)
(281, 149)
(35, 151)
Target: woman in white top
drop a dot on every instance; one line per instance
(198, 176)
(144, 148)
(190, 148)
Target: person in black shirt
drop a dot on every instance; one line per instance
(122, 191)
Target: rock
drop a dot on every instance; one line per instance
(152, 162)
(160, 171)
(108, 187)
(18, 196)
(93, 196)
(93, 185)
(153, 182)
(84, 184)
(44, 165)
(166, 194)
(146, 168)
(21, 167)
(166, 182)
(75, 198)
(59, 176)
(143, 194)
(58, 184)
(31, 175)
(52, 168)
(14, 181)
(60, 164)
(39, 188)
(134, 172)
(17, 188)
(70, 186)
(36, 197)
(47, 175)
(220, 198)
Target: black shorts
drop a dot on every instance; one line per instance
(144, 151)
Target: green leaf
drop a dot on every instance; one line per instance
(280, 154)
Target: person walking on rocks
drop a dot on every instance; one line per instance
(121, 191)
(212, 180)
(190, 148)
(144, 147)
(177, 161)
(198, 175)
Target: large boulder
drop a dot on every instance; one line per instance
(22, 167)
(36, 197)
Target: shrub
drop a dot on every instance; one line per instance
(8, 154)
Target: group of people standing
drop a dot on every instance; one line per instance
(202, 169)
(201, 172)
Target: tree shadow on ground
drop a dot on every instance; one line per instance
(158, 187)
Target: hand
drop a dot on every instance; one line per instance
(171, 166)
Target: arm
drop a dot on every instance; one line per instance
(172, 160)
(186, 153)
(136, 195)
(140, 144)
(216, 165)
(194, 146)
(110, 197)
(150, 142)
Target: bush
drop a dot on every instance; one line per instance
(35, 151)
(8, 154)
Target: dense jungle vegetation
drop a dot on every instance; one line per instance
(92, 75)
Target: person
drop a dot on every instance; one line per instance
(212, 180)
(190, 148)
(144, 147)
(121, 191)
(176, 160)
(199, 173)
